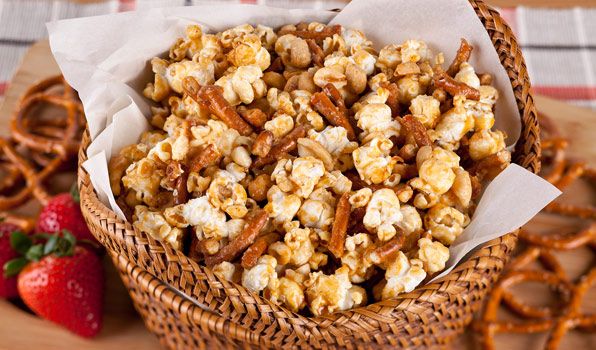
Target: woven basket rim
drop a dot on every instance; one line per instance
(446, 284)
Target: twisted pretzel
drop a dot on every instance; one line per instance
(46, 146)
(557, 319)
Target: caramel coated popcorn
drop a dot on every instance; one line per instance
(304, 165)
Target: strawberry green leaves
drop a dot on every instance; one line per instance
(60, 244)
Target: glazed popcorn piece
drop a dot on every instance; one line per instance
(307, 165)
(156, 225)
(402, 276)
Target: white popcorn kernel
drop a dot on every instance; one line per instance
(402, 276)
(433, 255)
(257, 278)
(382, 212)
(156, 225)
(444, 223)
(467, 75)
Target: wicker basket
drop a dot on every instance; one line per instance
(236, 318)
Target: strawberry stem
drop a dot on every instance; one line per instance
(60, 244)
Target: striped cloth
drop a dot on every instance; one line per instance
(559, 45)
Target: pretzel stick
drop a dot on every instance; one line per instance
(218, 105)
(253, 253)
(180, 189)
(445, 82)
(417, 130)
(284, 145)
(263, 143)
(340, 226)
(392, 100)
(254, 117)
(463, 55)
(316, 53)
(323, 105)
(241, 242)
(313, 34)
(335, 96)
(379, 254)
(205, 157)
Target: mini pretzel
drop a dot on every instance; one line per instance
(417, 130)
(59, 136)
(317, 55)
(378, 254)
(340, 226)
(322, 103)
(443, 81)
(392, 100)
(218, 105)
(26, 224)
(286, 144)
(253, 253)
(463, 55)
(180, 189)
(262, 145)
(34, 181)
(203, 159)
(313, 34)
(254, 117)
(241, 242)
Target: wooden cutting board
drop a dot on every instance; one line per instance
(124, 329)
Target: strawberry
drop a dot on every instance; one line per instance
(8, 286)
(60, 281)
(64, 213)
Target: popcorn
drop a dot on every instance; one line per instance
(376, 121)
(226, 271)
(373, 162)
(306, 172)
(280, 125)
(467, 75)
(144, 178)
(361, 197)
(244, 85)
(454, 124)
(415, 51)
(444, 223)
(426, 109)
(335, 141)
(227, 194)
(307, 163)
(316, 214)
(281, 206)
(200, 213)
(203, 71)
(286, 292)
(356, 246)
(247, 50)
(382, 212)
(486, 142)
(433, 255)
(330, 293)
(156, 225)
(402, 276)
(257, 278)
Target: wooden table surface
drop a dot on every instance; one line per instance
(123, 328)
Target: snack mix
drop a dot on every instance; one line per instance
(306, 166)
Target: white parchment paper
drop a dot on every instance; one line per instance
(106, 59)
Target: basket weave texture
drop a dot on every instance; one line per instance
(233, 317)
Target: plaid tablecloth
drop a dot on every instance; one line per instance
(559, 45)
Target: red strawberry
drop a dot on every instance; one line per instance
(62, 282)
(8, 286)
(64, 213)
